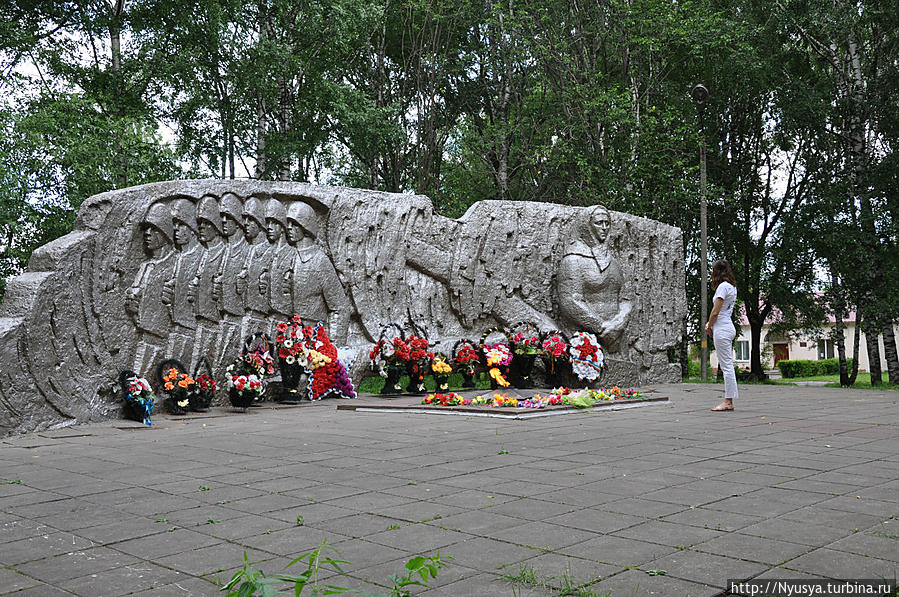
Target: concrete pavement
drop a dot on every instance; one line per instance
(798, 482)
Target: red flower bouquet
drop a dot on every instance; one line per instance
(327, 375)
(419, 363)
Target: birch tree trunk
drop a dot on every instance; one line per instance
(857, 340)
(872, 343)
(839, 312)
(889, 353)
(260, 100)
(116, 9)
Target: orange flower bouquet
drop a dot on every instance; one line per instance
(178, 386)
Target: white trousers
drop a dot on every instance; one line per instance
(724, 348)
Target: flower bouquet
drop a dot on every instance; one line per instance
(390, 356)
(465, 356)
(497, 357)
(587, 359)
(138, 396)
(256, 352)
(290, 343)
(441, 370)
(245, 386)
(616, 393)
(450, 399)
(178, 386)
(419, 359)
(206, 387)
(555, 346)
(257, 356)
(526, 346)
(327, 375)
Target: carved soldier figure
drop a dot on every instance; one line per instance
(176, 291)
(589, 282)
(200, 291)
(144, 299)
(318, 294)
(253, 279)
(280, 289)
(224, 285)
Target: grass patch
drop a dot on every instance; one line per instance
(373, 385)
(862, 381)
(558, 586)
(713, 380)
(864, 385)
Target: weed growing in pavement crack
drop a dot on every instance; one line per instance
(418, 571)
(559, 586)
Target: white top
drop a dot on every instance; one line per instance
(728, 292)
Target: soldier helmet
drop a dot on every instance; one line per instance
(183, 210)
(274, 210)
(231, 205)
(160, 218)
(208, 209)
(252, 208)
(303, 215)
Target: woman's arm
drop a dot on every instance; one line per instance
(713, 316)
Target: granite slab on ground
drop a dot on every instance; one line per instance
(798, 482)
(401, 403)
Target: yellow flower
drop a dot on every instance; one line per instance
(183, 403)
(496, 375)
(441, 367)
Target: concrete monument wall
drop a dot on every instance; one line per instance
(188, 268)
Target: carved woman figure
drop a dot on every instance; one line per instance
(589, 282)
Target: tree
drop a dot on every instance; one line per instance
(851, 46)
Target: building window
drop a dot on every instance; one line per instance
(803, 344)
(825, 349)
(742, 347)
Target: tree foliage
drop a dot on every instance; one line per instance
(563, 101)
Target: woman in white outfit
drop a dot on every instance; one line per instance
(721, 328)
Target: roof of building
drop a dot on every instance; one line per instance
(775, 316)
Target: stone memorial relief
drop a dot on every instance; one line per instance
(186, 269)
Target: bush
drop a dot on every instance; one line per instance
(807, 368)
(832, 366)
(693, 368)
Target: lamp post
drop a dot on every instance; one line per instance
(700, 94)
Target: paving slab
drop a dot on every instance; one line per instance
(792, 479)
(637, 583)
(705, 568)
(830, 563)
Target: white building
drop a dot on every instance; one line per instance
(796, 346)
